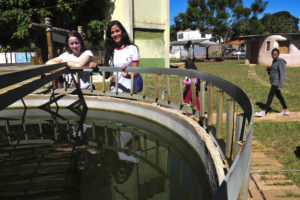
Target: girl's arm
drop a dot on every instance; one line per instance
(54, 61)
(126, 74)
(135, 64)
(81, 63)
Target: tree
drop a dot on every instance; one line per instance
(258, 7)
(251, 25)
(16, 15)
(280, 22)
(222, 17)
(173, 33)
(216, 15)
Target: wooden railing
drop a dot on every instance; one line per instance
(234, 142)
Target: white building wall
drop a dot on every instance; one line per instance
(192, 35)
(292, 58)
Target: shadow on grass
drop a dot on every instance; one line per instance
(297, 152)
(262, 106)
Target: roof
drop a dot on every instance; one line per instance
(202, 42)
(256, 36)
(236, 42)
(189, 29)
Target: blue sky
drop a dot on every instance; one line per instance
(293, 6)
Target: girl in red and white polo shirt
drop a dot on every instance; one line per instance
(120, 52)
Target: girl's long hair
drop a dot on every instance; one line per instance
(109, 43)
(76, 34)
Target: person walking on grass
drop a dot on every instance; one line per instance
(277, 75)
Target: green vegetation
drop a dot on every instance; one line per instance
(68, 14)
(152, 62)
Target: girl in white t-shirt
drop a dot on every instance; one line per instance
(120, 52)
(76, 56)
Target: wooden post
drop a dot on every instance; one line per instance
(131, 83)
(193, 88)
(79, 29)
(49, 37)
(103, 81)
(229, 128)
(156, 86)
(220, 115)
(210, 105)
(144, 88)
(180, 91)
(50, 44)
(168, 89)
(202, 99)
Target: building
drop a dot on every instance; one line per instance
(199, 49)
(202, 46)
(259, 48)
(237, 45)
(147, 23)
(193, 35)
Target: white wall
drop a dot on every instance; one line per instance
(192, 35)
(10, 58)
(292, 58)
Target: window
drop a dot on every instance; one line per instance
(268, 47)
(180, 36)
(203, 35)
(284, 47)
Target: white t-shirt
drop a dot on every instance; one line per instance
(125, 137)
(84, 76)
(125, 56)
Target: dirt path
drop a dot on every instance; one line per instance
(274, 117)
(252, 74)
(266, 181)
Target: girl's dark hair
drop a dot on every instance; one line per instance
(76, 34)
(109, 43)
(190, 64)
(275, 49)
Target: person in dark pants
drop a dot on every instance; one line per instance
(277, 75)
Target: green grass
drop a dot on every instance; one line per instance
(152, 62)
(237, 73)
(281, 138)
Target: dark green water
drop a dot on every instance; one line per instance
(76, 154)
